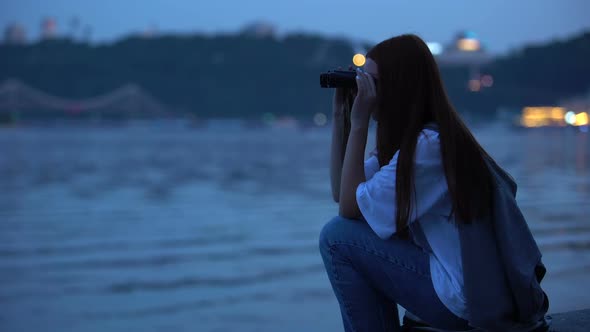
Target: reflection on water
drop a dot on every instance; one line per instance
(158, 228)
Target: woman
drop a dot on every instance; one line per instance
(417, 221)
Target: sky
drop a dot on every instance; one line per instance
(502, 25)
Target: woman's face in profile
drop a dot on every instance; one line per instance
(371, 68)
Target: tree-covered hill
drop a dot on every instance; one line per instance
(240, 75)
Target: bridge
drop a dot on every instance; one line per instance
(130, 100)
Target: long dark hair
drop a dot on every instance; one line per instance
(410, 94)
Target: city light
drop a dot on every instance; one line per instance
(435, 48)
(581, 119)
(487, 81)
(543, 117)
(358, 60)
(320, 119)
(577, 120)
(468, 44)
(557, 113)
(552, 116)
(570, 118)
(474, 85)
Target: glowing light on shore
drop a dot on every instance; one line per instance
(487, 81)
(577, 120)
(435, 48)
(474, 85)
(359, 60)
(570, 118)
(320, 119)
(581, 119)
(468, 44)
(543, 116)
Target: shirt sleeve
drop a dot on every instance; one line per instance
(376, 197)
(371, 166)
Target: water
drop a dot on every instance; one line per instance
(174, 229)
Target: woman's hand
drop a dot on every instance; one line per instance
(365, 100)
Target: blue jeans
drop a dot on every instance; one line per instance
(370, 276)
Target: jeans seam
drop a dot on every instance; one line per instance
(382, 256)
(334, 271)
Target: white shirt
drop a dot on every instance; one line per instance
(432, 207)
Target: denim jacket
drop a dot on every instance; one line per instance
(502, 266)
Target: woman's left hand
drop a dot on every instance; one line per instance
(365, 100)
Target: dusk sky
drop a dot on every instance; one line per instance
(501, 24)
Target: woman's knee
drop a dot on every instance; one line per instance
(327, 236)
(326, 233)
(336, 230)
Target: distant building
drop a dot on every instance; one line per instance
(48, 28)
(465, 49)
(259, 30)
(15, 34)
